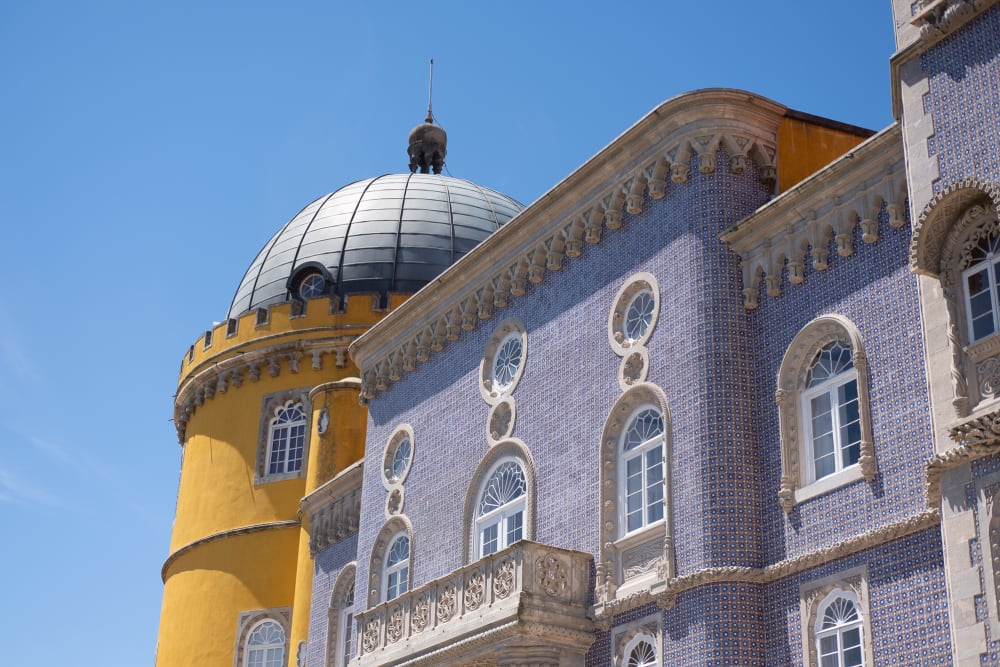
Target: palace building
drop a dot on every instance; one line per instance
(727, 394)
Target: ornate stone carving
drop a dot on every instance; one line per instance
(501, 420)
(420, 614)
(446, 603)
(475, 590)
(503, 579)
(550, 574)
(394, 626)
(641, 559)
(937, 18)
(980, 431)
(369, 638)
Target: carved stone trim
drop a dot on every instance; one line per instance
(398, 524)
(500, 421)
(609, 571)
(633, 285)
(853, 584)
(342, 588)
(574, 212)
(776, 571)
(231, 373)
(634, 368)
(269, 404)
(828, 205)
(334, 509)
(938, 18)
(625, 637)
(510, 449)
(507, 327)
(399, 434)
(792, 378)
(935, 223)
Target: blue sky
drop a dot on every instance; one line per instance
(148, 150)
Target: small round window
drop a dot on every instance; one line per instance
(503, 361)
(312, 286)
(507, 361)
(633, 313)
(639, 315)
(398, 457)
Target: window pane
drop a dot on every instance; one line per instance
(825, 464)
(489, 539)
(982, 326)
(822, 417)
(828, 645)
(977, 282)
(513, 528)
(847, 392)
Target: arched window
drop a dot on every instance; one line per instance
(640, 470)
(641, 655)
(830, 412)
(396, 573)
(340, 633)
(826, 436)
(265, 645)
(500, 516)
(286, 439)
(838, 631)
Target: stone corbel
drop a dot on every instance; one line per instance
(707, 147)
(592, 229)
(658, 179)
(502, 288)
(636, 190)
(613, 208)
(519, 280)
(536, 264)
(484, 302)
(680, 163)
(574, 237)
(554, 253)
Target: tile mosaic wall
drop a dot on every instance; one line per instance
(326, 566)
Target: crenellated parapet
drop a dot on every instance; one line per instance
(651, 159)
(796, 227)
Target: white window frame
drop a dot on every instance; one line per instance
(990, 264)
(271, 405)
(640, 451)
(625, 639)
(340, 619)
(248, 623)
(840, 631)
(296, 428)
(400, 570)
(266, 648)
(816, 595)
(828, 387)
(500, 516)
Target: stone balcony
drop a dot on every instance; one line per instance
(525, 604)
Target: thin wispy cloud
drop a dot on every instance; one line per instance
(15, 488)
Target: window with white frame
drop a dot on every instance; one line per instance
(265, 645)
(396, 573)
(286, 439)
(500, 515)
(982, 284)
(507, 361)
(838, 631)
(640, 471)
(642, 654)
(639, 315)
(636, 644)
(831, 412)
(340, 628)
(347, 627)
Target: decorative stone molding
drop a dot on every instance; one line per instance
(691, 128)
(621, 556)
(333, 509)
(797, 226)
(935, 224)
(938, 18)
(853, 584)
(528, 599)
(512, 449)
(232, 373)
(635, 284)
(792, 378)
(625, 637)
(500, 421)
(509, 328)
(400, 435)
(341, 600)
(396, 525)
(248, 620)
(270, 403)
(785, 568)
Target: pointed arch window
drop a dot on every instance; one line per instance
(396, 573)
(286, 439)
(641, 471)
(500, 515)
(266, 645)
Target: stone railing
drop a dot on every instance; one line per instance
(527, 597)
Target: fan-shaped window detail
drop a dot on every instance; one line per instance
(639, 315)
(507, 362)
(397, 567)
(641, 470)
(266, 645)
(642, 655)
(286, 442)
(503, 360)
(838, 637)
(500, 520)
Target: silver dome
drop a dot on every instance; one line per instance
(393, 233)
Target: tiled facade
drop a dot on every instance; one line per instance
(741, 571)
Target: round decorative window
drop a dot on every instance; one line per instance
(503, 362)
(398, 457)
(634, 313)
(312, 286)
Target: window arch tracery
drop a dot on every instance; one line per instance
(390, 571)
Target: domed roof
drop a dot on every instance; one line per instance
(392, 233)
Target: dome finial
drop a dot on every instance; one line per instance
(428, 142)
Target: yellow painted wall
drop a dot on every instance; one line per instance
(208, 586)
(805, 146)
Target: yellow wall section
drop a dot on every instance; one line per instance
(209, 586)
(804, 147)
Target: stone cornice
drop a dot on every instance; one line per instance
(978, 437)
(830, 203)
(221, 535)
(774, 572)
(333, 509)
(935, 19)
(232, 372)
(656, 150)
